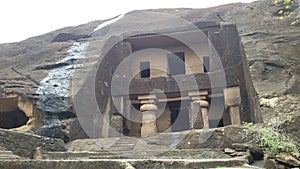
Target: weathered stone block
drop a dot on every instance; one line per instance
(232, 96)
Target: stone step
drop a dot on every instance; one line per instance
(116, 155)
(126, 140)
(75, 155)
(7, 155)
(125, 163)
(121, 147)
(10, 155)
(116, 150)
(5, 152)
(123, 144)
(245, 166)
(129, 144)
(136, 154)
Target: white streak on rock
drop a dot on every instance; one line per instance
(109, 22)
(54, 90)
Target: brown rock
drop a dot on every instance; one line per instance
(288, 160)
(228, 151)
(247, 155)
(292, 128)
(224, 137)
(38, 155)
(254, 149)
(272, 164)
(25, 144)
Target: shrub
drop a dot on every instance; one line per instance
(273, 141)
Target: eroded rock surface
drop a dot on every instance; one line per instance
(24, 144)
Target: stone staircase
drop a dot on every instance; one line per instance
(123, 145)
(120, 149)
(145, 153)
(124, 153)
(7, 155)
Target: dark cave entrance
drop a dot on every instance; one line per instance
(13, 119)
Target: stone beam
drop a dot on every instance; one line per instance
(179, 83)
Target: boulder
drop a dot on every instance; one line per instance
(272, 164)
(288, 160)
(224, 137)
(25, 144)
(256, 151)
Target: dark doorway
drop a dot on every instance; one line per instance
(216, 112)
(216, 123)
(176, 63)
(145, 69)
(179, 116)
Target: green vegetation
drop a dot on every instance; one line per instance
(272, 140)
(286, 11)
(289, 119)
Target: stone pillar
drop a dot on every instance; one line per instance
(199, 110)
(234, 112)
(116, 119)
(232, 98)
(116, 125)
(204, 109)
(148, 110)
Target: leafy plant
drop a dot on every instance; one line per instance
(287, 12)
(289, 119)
(273, 141)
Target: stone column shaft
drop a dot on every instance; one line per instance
(148, 119)
(201, 106)
(234, 112)
(204, 110)
(232, 99)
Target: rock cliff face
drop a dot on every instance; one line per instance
(42, 67)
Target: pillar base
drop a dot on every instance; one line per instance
(235, 117)
(148, 129)
(149, 123)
